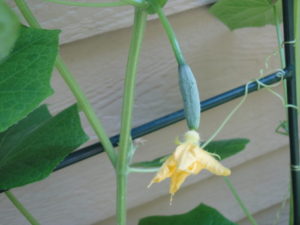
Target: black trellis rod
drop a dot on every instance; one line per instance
(172, 118)
(289, 38)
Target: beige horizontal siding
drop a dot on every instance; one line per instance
(78, 23)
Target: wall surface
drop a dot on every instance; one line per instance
(81, 22)
(83, 194)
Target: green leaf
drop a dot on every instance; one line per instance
(245, 13)
(223, 148)
(201, 215)
(155, 3)
(227, 148)
(25, 74)
(9, 29)
(32, 148)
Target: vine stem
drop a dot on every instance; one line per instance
(89, 4)
(143, 170)
(136, 3)
(279, 36)
(297, 46)
(122, 169)
(297, 69)
(240, 201)
(75, 89)
(229, 116)
(171, 35)
(21, 208)
(143, 4)
(291, 219)
(87, 109)
(283, 64)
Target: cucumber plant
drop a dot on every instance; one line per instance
(31, 135)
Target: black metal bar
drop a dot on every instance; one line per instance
(172, 118)
(289, 38)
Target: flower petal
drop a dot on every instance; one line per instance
(195, 168)
(211, 164)
(166, 170)
(176, 180)
(188, 160)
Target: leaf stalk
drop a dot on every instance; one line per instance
(240, 201)
(21, 208)
(171, 35)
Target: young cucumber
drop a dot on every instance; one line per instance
(190, 95)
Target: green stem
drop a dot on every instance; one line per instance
(87, 109)
(229, 116)
(75, 89)
(27, 14)
(21, 208)
(143, 170)
(239, 201)
(171, 35)
(138, 3)
(297, 68)
(88, 4)
(282, 61)
(291, 219)
(297, 46)
(127, 108)
(279, 36)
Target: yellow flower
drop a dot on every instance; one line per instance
(188, 159)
